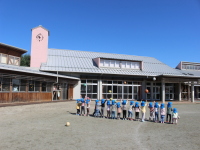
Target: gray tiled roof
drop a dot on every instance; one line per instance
(190, 72)
(82, 62)
(32, 71)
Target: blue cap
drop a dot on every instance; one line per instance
(102, 101)
(87, 101)
(175, 110)
(82, 100)
(96, 101)
(123, 102)
(150, 105)
(113, 102)
(136, 104)
(162, 105)
(156, 105)
(169, 104)
(118, 105)
(142, 103)
(131, 102)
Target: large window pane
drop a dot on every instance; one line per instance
(125, 89)
(49, 86)
(23, 85)
(6, 84)
(94, 89)
(106, 63)
(31, 86)
(130, 89)
(83, 88)
(37, 86)
(16, 85)
(114, 89)
(4, 58)
(123, 64)
(104, 89)
(101, 62)
(128, 64)
(44, 87)
(112, 63)
(89, 88)
(117, 64)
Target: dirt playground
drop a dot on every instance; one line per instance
(42, 127)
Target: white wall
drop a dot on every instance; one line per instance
(77, 90)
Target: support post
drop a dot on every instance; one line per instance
(192, 92)
(179, 95)
(163, 92)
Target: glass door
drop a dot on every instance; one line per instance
(156, 92)
(169, 92)
(56, 94)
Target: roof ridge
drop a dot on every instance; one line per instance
(100, 52)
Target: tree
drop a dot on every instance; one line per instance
(25, 60)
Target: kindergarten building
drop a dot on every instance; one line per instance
(73, 74)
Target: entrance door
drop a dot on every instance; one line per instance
(169, 92)
(156, 92)
(56, 94)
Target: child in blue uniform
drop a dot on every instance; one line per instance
(130, 110)
(151, 109)
(119, 110)
(156, 110)
(103, 101)
(88, 105)
(169, 112)
(137, 111)
(108, 108)
(124, 108)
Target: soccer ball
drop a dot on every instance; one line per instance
(67, 124)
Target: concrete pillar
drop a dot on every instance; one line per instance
(179, 94)
(99, 92)
(163, 92)
(192, 92)
(151, 90)
(143, 90)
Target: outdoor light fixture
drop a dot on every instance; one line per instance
(154, 78)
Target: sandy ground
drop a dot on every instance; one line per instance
(42, 127)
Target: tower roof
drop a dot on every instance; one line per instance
(43, 28)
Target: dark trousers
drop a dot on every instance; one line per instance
(156, 116)
(137, 115)
(170, 118)
(124, 113)
(78, 111)
(83, 110)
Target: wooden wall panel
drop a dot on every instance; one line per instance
(25, 97)
(4, 97)
(70, 92)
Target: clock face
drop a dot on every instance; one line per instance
(39, 37)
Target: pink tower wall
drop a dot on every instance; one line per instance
(39, 46)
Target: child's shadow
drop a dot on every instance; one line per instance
(71, 113)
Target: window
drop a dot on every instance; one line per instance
(31, 86)
(23, 85)
(119, 64)
(16, 85)
(89, 88)
(3, 58)
(128, 64)
(46, 87)
(13, 60)
(6, 84)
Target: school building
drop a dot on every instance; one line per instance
(57, 74)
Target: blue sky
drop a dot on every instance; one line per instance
(168, 30)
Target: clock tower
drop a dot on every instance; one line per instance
(39, 46)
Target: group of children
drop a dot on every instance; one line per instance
(116, 108)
